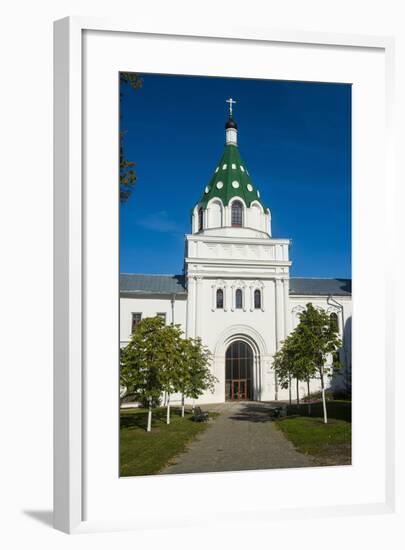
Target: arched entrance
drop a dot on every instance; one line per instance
(238, 371)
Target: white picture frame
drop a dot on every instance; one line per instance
(70, 384)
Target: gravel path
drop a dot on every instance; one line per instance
(241, 438)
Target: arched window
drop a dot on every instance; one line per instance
(200, 219)
(258, 299)
(238, 299)
(334, 323)
(220, 298)
(237, 214)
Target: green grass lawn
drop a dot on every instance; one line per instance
(329, 444)
(144, 453)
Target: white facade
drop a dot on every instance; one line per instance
(237, 288)
(150, 305)
(229, 259)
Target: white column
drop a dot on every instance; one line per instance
(227, 219)
(262, 291)
(190, 306)
(213, 298)
(198, 306)
(286, 284)
(232, 298)
(244, 297)
(252, 304)
(225, 297)
(279, 313)
(279, 324)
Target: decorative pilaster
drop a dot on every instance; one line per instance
(279, 324)
(244, 297)
(279, 313)
(213, 297)
(232, 297)
(198, 305)
(190, 306)
(206, 218)
(286, 288)
(251, 291)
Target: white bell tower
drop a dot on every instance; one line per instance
(237, 274)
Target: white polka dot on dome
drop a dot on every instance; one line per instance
(216, 169)
(235, 184)
(258, 194)
(224, 166)
(241, 167)
(233, 166)
(250, 188)
(207, 189)
(220, 185)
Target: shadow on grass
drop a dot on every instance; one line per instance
(138, 418)
(339, 410)
(259, 413)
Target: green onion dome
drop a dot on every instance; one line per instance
(231, 179)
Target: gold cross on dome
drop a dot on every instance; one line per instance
(230, 101)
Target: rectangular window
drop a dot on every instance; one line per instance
(136, 319)
(162, 315)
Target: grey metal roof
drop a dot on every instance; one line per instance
(320, 287)
(133, 283)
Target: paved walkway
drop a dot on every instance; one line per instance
(241, 438)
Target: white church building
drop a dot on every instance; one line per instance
(236, 292)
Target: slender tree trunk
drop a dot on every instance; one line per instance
(325, 414)
(168, 409)
(298, 394)
(289, 389)
(193, 407)
(182, 404)
(149, 427)
(309, 401)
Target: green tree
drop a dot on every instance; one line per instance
(316, 340)
(197, 376)
(143, 361)
(127, 171)
(291, 363)
(174, 363)
(283, 367)
(158, 359)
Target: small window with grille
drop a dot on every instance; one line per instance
(237, 214)
(136, 319)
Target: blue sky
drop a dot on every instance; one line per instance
(294, 138)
